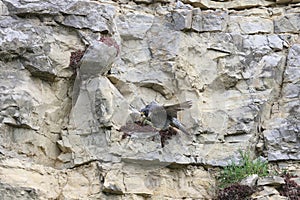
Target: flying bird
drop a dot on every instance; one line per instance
(162, 117)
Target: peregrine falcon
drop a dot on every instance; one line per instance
(162, 116)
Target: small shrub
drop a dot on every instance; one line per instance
(290, 189)
(234, 172)
(75, 58)
(236, 192)
(166, 135)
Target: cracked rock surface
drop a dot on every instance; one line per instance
(60, 124)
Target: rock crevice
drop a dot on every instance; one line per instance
(73, 73)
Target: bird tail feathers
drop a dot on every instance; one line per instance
(177, 124)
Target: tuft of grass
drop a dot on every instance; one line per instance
(235, 172)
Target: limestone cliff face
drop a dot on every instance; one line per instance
(60, 116)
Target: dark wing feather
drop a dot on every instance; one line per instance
(173, 109)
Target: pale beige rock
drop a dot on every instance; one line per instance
(135, 52)
(250, 25)
(287, 1)
(273, 197)
(209, 20)
(284, 1)
(182, 19)
(268, 193)
(51, 183)
(98, 58)
(114, 182)
(239, 69)
(134, 25)
(16, 172)
(274, 180)
(228, 4)
(3, 9)
(89, 109)
(250, 180)
(287, 24)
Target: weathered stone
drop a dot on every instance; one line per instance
(182, 19)
(83, 15)
(282, 140)
(274, 181)
(250, 25)
(257, 42)
(134, 25)
(135, 52)
(160, 44)
(235, 4)
(291, 91)
(146, 181)
(250, 180)
(143, 1)
(3, 9)
(95, 105)
(83, 8)
(76, 183)
(22, 193)
(79, 14)
(241, 75)
(114, 182)
(64, 157)
(292, 73)
(209, 20)
(273, 140)
(42, 7)
(268, 193)
(97, 60)
(283, 1)
(287, 24)
(39, 65)
(237, 138)
(82, 22)
(290, 166)
(37, 53)
(17, 110)
(196, 19)
(18, 176)
(275, 42)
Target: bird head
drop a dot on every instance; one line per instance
(145, 111)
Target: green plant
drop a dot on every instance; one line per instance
(235, 172)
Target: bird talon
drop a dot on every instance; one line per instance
(146, 122)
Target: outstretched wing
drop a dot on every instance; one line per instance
(173, 109)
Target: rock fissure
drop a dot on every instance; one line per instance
(74, 72)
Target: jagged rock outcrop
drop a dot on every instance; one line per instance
(60, 120)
